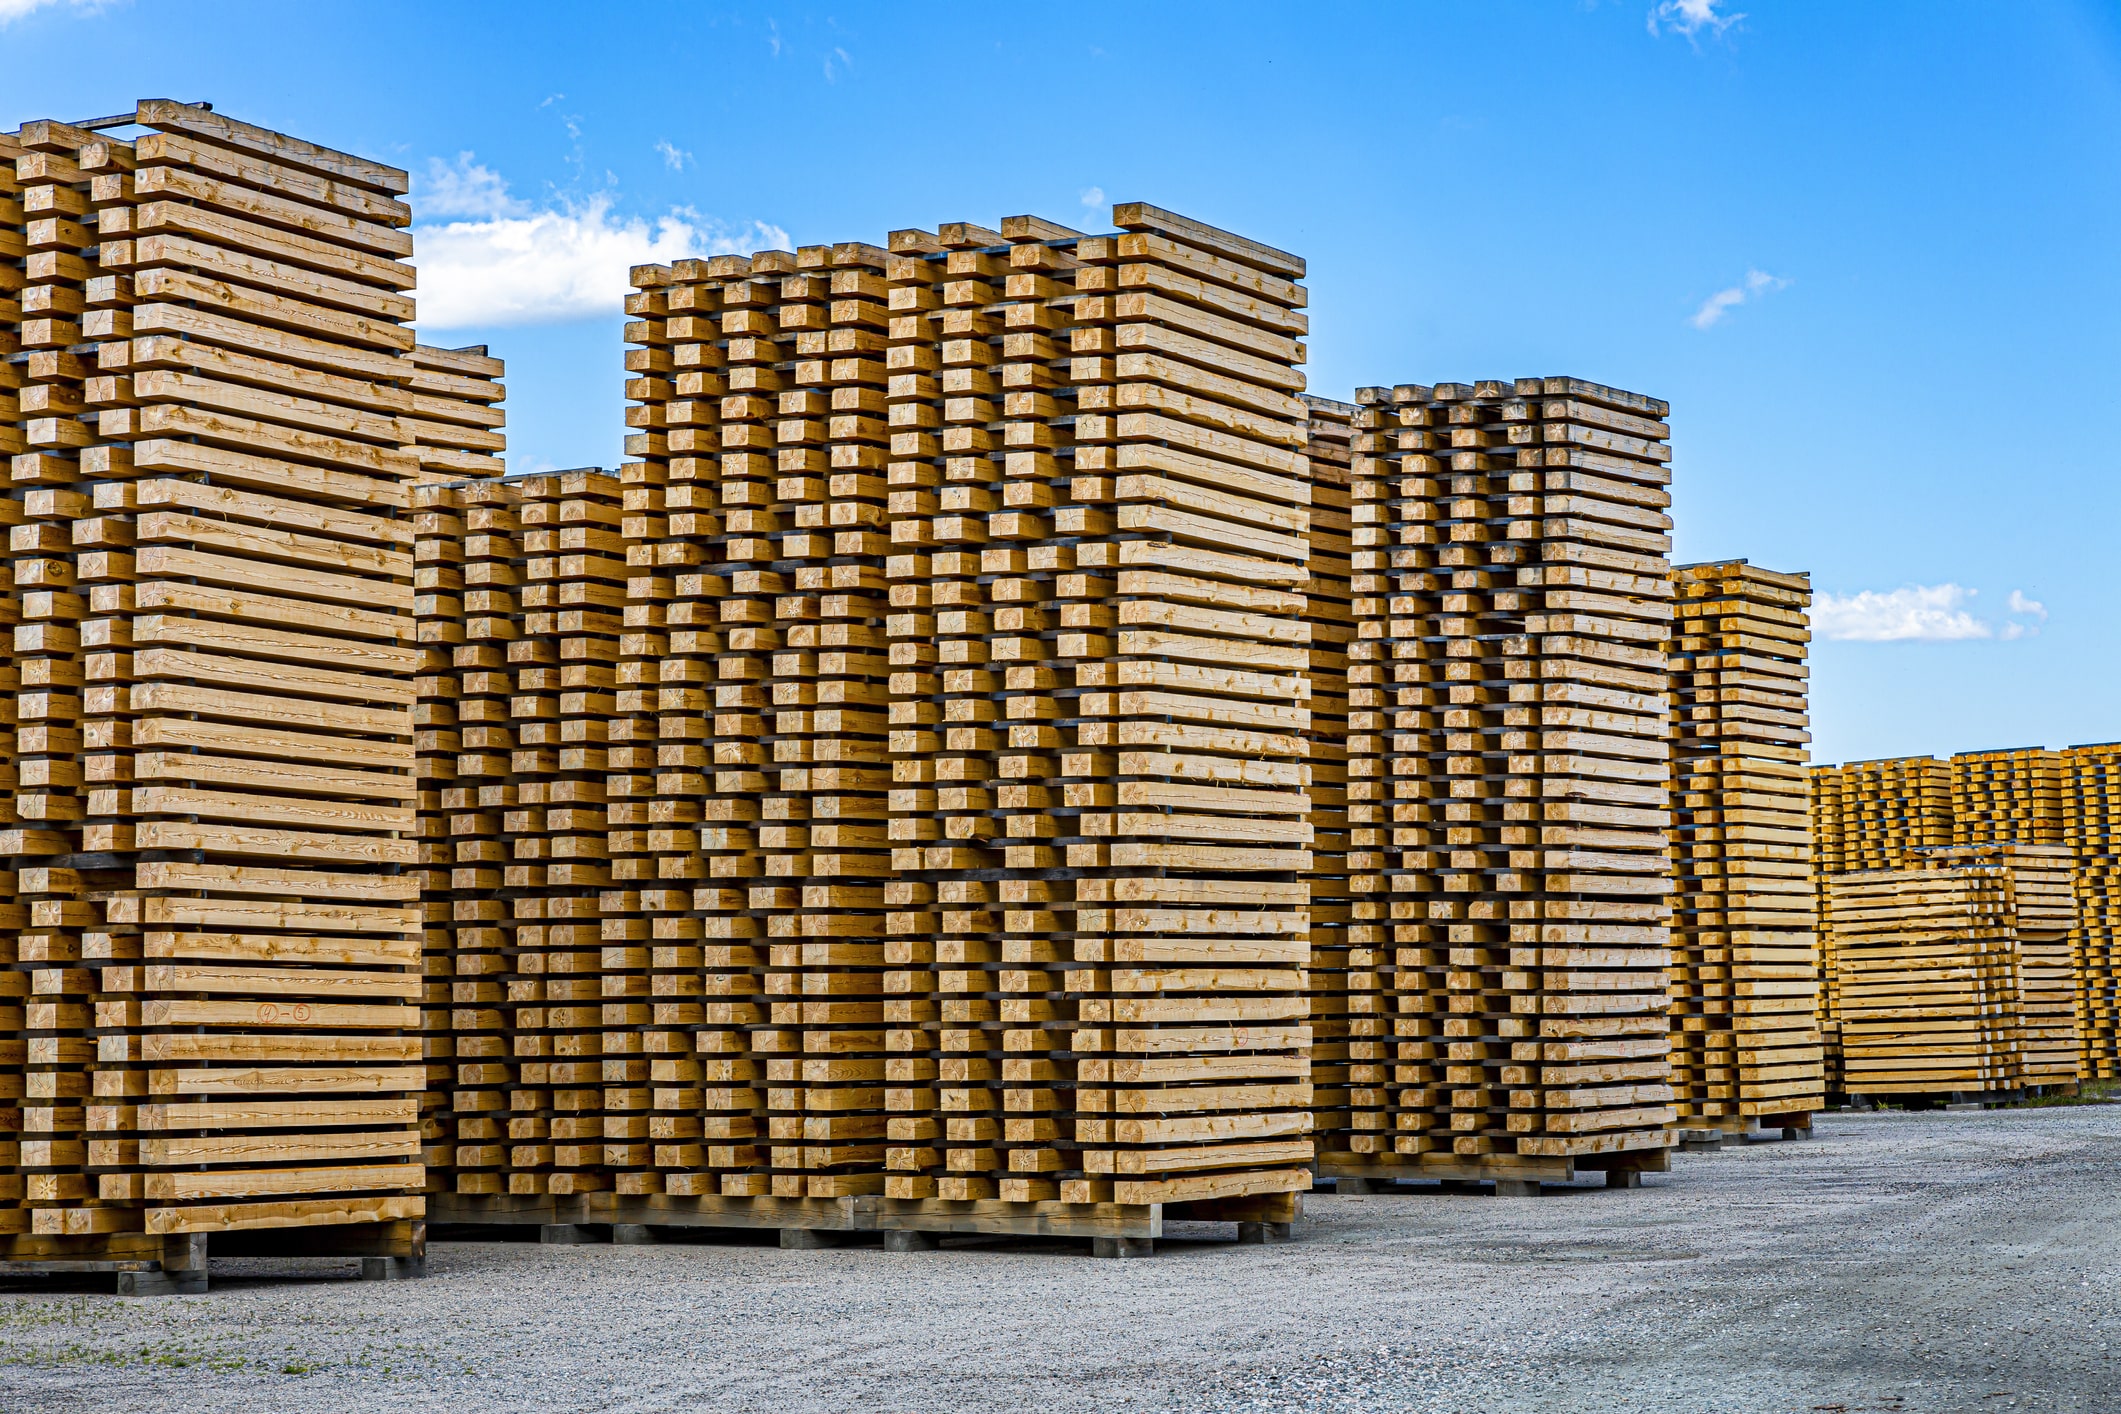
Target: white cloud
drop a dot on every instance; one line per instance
(1929, 613)
(461, 188)
(517, 264)
(1093, 196)
(2032, 608)
(567, 262)
(1690, 17)
(846, 60)
(1755, 284)
(674, 157)
(12, 10)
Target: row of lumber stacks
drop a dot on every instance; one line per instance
(1345, 954)
(2007, 797)
(2092, 826)
(1928, 975)
(2043, 913)
(1745, 988)
(1513, 601)
(215, 562)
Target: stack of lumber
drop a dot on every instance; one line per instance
(2044, 911)
(959, 760)
(1890, 807)
(1823, 792)
(452, 417)
(215, 758)
(1745, 987)
(1928, 962)
(2092, 827)
(1349, 1030)
(2007, 797)
(1513, 603)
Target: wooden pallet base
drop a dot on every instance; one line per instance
(1126, 1229)
(1707, 1136)
(1514, 1175)
(1958, 1099)
(143, 1264)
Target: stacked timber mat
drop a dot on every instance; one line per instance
(1509, 795)
(944, 659)
(216, 947)
(1745, 985)
(2007, 797)
(2045, 911)
(2092, 829)
(1954, 976)
(1350, 1034)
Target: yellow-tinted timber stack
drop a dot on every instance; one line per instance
(1512, 596)
(1823, 788)
(1746, 973)
(2007, 797)
(2092, 826)
(215, 767)
(1890, 807)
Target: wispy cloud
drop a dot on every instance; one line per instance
(1690, 17)
(463, 187)
(1755, 284)
(513, 263)
(674, 157)
(835, 61)
(1930, 613)
(12, 10)
(1093, 196)
(1921, 613)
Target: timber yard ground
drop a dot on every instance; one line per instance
(1910, 1262)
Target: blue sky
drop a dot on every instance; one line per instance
(1868, 252)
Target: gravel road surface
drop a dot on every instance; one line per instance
(1926, 1262)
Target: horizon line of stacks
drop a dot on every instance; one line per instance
(213, 409)
(1892, 814)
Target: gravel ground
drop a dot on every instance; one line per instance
(1932, 1262)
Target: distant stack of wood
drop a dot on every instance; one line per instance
(211, 413)
(1745, 989)
(1928, 980)
(2007, 797)
(2092, 829)
(2044, 910)
(1509, 801)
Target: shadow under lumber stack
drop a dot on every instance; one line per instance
(1512, 601)
(215, 775)
(1746, 1046)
